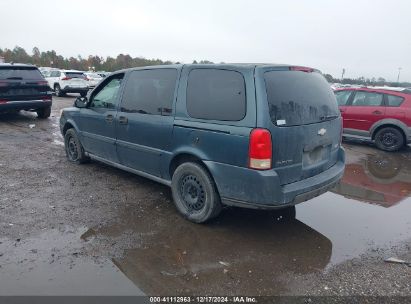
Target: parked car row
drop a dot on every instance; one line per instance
(71, 81)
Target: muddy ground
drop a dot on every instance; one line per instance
(95, 230)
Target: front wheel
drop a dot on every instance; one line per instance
(389, 139)
(194, 193)
(74, 150)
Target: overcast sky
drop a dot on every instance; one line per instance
(367, 38)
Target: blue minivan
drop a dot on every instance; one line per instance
(250, 135)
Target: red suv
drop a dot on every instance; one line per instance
(382, 114)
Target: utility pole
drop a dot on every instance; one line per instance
(398, 77)
(342, 74)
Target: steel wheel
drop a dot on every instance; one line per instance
(72, 149)
(192, 192)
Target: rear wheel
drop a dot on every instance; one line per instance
(74, 150)
(389, 139)
(194, 193)
(44, 112)
(57, 90)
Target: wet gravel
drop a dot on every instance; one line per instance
(93, 229)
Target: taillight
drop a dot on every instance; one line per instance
(66, 78)
(46, 98)
(260, 150)
(301, 69)
(2, 100)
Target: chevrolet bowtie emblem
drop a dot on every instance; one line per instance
(321, 132)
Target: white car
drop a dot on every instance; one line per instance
(67, 81)
(93, 79)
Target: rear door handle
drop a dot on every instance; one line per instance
(122, 120)
(109, 118)
(377, 112)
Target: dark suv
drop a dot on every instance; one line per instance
(257, 136)
(23, 87)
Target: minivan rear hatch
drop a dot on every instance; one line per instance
(303, 119)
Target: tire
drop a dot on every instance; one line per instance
(389, 139)
(44, 113)
(58, 91)
(74, 149)
(194, 193)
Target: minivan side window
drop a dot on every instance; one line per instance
(215, 94)
(367, 99)
(106, 96)
(342, 97)
(394, 101)
(150, 92)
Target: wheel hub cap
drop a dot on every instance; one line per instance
(192, 192)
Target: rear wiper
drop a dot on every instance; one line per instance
(329, 117)
(15, 78)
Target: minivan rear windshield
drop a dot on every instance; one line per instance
(299, 98)
(19, 73)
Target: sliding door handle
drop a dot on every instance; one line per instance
(109, 118)
(122, 120)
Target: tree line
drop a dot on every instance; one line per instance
(380, 81)
(92, 62)
(123, 61)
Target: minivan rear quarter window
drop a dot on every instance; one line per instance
(215, 94)
(298, 98)
(20, 73)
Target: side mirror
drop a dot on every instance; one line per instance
(80, 102)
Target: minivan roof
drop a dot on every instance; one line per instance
(220, 65)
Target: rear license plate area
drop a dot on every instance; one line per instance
(316, 157)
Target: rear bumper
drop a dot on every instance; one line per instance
(69, 89)
(25, 105)
(248, 188)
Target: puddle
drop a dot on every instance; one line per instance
(369, 209)
(256, 252)
(53, 264)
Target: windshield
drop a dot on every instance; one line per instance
(20, 73)
(299, 98)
